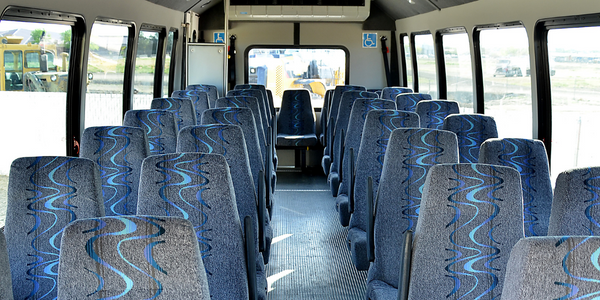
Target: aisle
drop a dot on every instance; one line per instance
(311, 259)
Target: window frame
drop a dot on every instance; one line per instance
(441, 59)
(262, 46)
(403, 70)
(413, 56)
(160, 56)
(129, 58)
(76, 88)
(173, 63)
(542, 70)
(479, 105)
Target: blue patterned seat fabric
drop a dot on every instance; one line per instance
(472, 130)
(131, 257)
(213, 93)
(198, 187)
(369, 163)
(263, 90)
(575, 204)
(411, 152)
(249, 102)
(119, 152)
(296, 120)
(408, 101)
(358, 114)
(228, 140)
(390, 93)
(44, 195)
(160, 128)
(341, 124)
(530, 159)
(324, 116)
(433, 112)
(199, 98)
(469, 219)
(553, 267)
(183, 108)
(331, 118)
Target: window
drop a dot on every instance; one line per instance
(168, 63)
(316, 69)
(42, 129)
(106, 63)
(505, 67)
(145, 65)
(408, 59)
(426, 70)
(32, 59)
(459, 78)
(574, 67)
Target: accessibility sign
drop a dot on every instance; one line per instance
(369, 40)
(219, 37)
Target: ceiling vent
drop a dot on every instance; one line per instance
(300, 10)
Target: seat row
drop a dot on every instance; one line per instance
(211, 196)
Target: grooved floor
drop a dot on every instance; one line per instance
(310, 259)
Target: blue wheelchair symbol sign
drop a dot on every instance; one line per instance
(369, 40)
(219, 37)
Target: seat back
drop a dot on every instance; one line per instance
(296, 115)
(341, 122)
(472, 130)
(324, 115)
(334, 105)
(408, 101)
(268, 100)
(390, 93)
(433, 112)
(134, 257)
(530, 159)
(199, 98)
(379, 124)
(119, 151)
(183, 108)
(213, 93)
(574, 206)
(356, 123)
(265, 113)
(469, 219)
(249, 102)
(44, 195)
(553, 267)
(160, 128)
(242, 117)
(198, 187)
(410, 153)
(227, 140)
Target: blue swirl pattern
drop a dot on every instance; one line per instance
(391, 92)
(433, 112)
(470, 262)
(50, 208)
(408, 101)
(126, 230)
(183, 173)
(570, 269)
(115, 169)
(471, 130)
(155, 124)
(423, 152)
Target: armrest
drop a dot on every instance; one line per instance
(261, 208)
(330, 133)
(340, 152)
(405, 263)
(250, 257)
(351, 182)
(370, 221)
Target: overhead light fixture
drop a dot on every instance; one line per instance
(411, 1)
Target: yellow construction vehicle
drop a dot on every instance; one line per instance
(30, 67)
